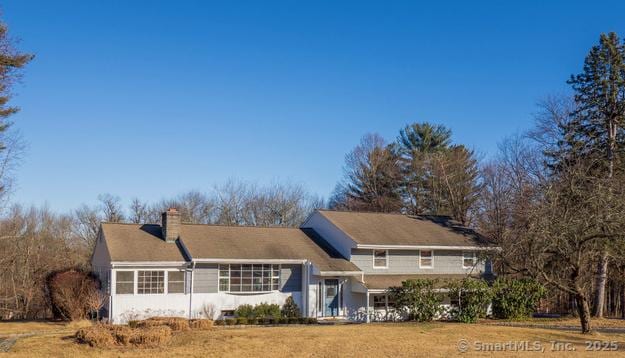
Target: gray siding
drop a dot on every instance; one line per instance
(206, 279)
(407, 262)
(291, 278)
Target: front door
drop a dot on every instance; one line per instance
(331, 301)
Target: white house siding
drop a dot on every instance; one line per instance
(407, 262)
(205, 295)
(330, 233)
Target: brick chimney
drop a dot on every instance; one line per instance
(171, 225)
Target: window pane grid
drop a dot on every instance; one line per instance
(151, 282)
(249, 278)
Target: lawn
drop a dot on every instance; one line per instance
(399, 339)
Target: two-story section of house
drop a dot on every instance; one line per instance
(337, 264)
(391, 248)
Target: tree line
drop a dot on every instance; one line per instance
(553, 198)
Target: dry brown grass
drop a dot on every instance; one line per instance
(403, 339)
(109, 336)
(201, 323)
(177, 324)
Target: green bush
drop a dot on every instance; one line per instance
(219, 322)
(311, 320)
(241, 320)
(283, 320)
(293, 320)
(263, 310)
(252, 321)
(417, 299)
(290, 308)
(268, 320)
(516, 299)
(474, 296)
(246, 311)
(230, 321)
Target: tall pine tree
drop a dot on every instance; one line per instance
(595, 131)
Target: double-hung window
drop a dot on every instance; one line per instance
(249, 278)
(124, 282)
(468, 259)
(426, 259)
(175, 281)
(380, 258)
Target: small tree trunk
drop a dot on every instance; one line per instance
(583, 309)
(623, 302)
(602, 276)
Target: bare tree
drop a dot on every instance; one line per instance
(111, 208)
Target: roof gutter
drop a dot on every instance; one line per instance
(247, 261)
(146, 263)
(427, 247)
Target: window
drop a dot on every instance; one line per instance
(380, 258)
(151, 282)
(249, 278)
(426, 259)
(468, 259)
(175, 282)
(379, 302)
(124, 282)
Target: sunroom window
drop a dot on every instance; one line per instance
(249, 278)
(175, 282)
(124, 282)
(150, 282)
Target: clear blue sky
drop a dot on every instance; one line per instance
(149, 99)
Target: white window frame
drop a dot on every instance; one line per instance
(473, 253)
(134, 282)
(431, 258)
(151, 294)
(219, 277)
(184, 282)
(385, 261)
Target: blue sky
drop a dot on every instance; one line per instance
(149, 99)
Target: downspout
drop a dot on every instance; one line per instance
(191, 291)
(367, 310)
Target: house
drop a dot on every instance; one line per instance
(337, 264)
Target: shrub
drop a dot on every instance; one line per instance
(516, 298)
(133, 323)
(290, 308)
(263, 310)
(246, 311)
(473, 295)
(74, 294)
(219, 322)
(96, 336)
(151, 337)
(252, 321)
(311, 320)
(230, 321)
(241, 320)
(268, 320)
(283, 320)
(417, 299)
(201, 324)
(302, 320)
(105, 336)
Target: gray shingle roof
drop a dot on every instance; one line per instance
(397, 229)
